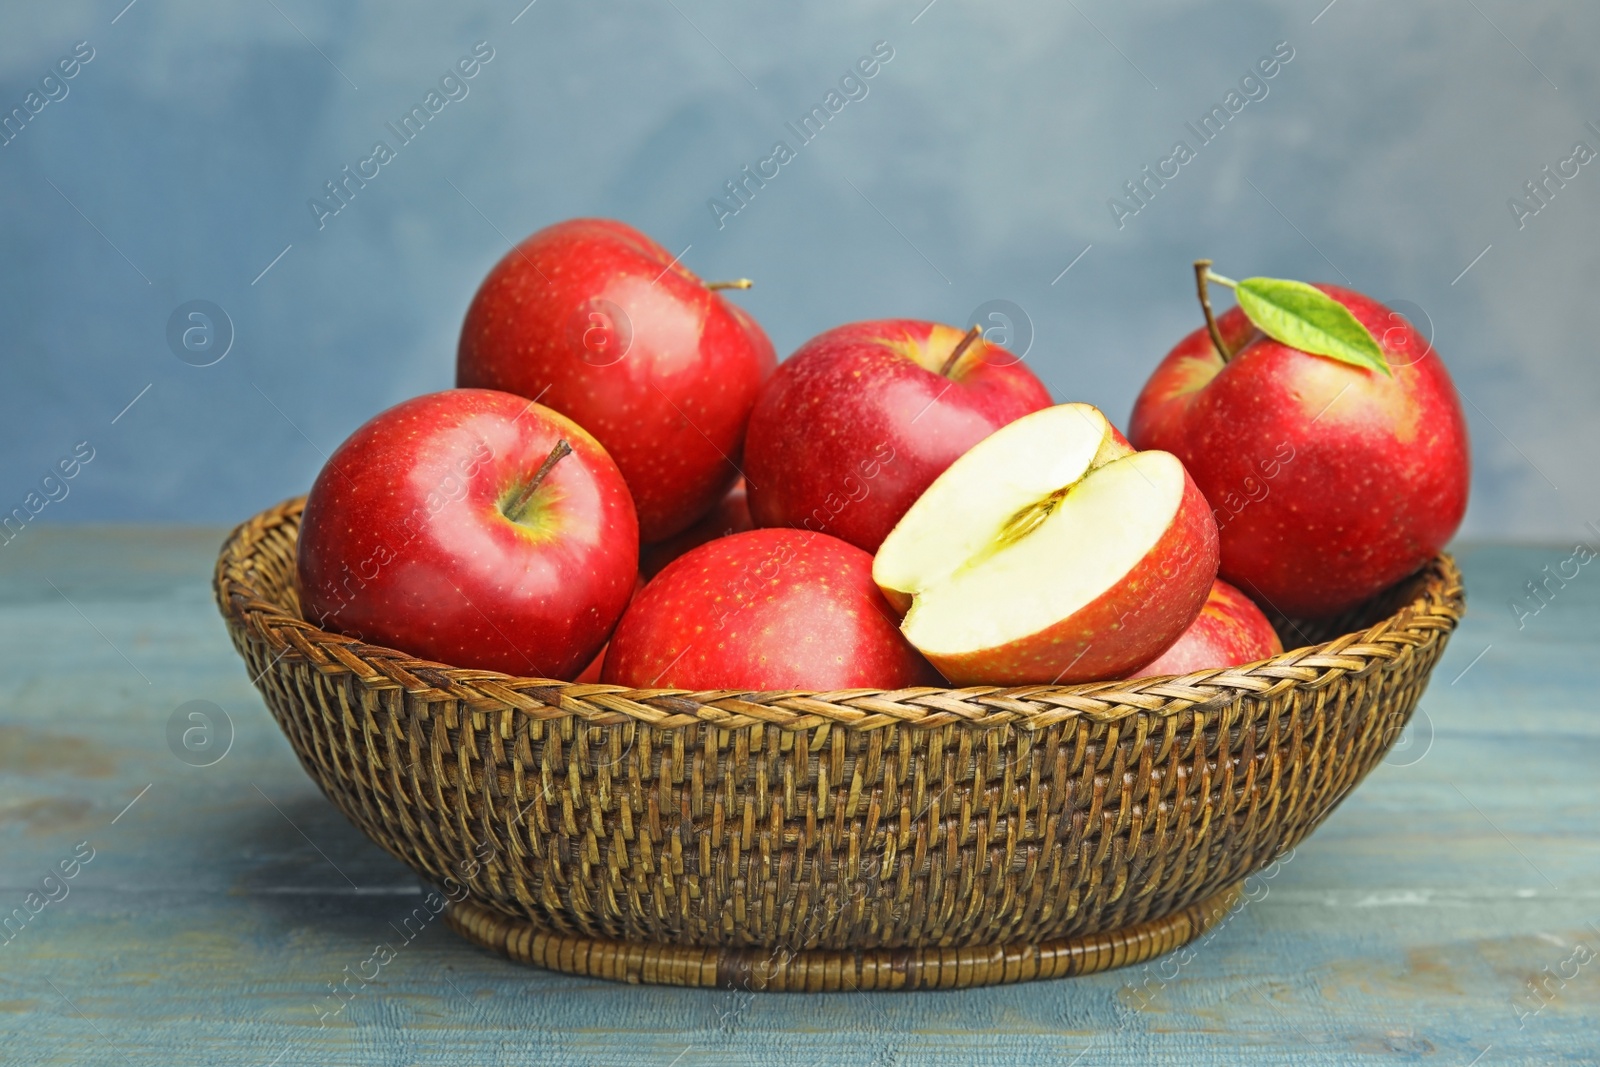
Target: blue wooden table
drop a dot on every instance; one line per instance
(177, 899)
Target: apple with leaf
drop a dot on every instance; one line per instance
(1351, 451)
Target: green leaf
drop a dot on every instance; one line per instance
(1306, 318)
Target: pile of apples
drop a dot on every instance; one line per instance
(627, 487)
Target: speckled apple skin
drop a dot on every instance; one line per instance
(1127, 625)
(1329, 482)
(730, 516)
(1229, 631)
(672, 410)
(764, 610)
(852, 429)
(591, 674)
(403, 542)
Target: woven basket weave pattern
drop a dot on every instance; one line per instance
(843, 821)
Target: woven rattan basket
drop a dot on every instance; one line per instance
(861, 839)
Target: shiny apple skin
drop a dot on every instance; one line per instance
(1229, 631)
(859, 421)
(1129, 624)
(591, 674)
(672, 410)
(730, 516)
(1329, 482)
(403, 542)
(764, 610)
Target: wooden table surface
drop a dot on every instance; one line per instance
(1447, 913)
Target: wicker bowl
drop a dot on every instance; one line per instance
(857, 839)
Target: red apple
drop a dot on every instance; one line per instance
(862, 419)
(1051, 552)
(764, 610)
(1229, 631)
(730, 516)
(591, 674)
(1328, 481)
(456, 527)
(596, 320)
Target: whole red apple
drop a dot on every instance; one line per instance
(474, 528)
(1230, 630)
(596, 320)
(730, 516)
(1328, 481)
(591, 674)
(862, 419)
(764, 610)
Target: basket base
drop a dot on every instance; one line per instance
(822, 971)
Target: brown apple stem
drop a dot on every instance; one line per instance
(737, 283)
(518, 506)
(960, 350)
(1202, 270)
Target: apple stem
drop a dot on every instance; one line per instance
(960, 350)
(737, 283)
(520, 505)
(1202, 272)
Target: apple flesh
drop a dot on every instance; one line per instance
(1229, 631)
(861, 419)
(432, 531)
(764, 610)
(1051, 553)
(1329, 482)
(596, 320)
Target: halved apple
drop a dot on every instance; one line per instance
(1051, 552)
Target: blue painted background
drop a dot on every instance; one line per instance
(978, 166)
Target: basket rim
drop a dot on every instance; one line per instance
(290, 639)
